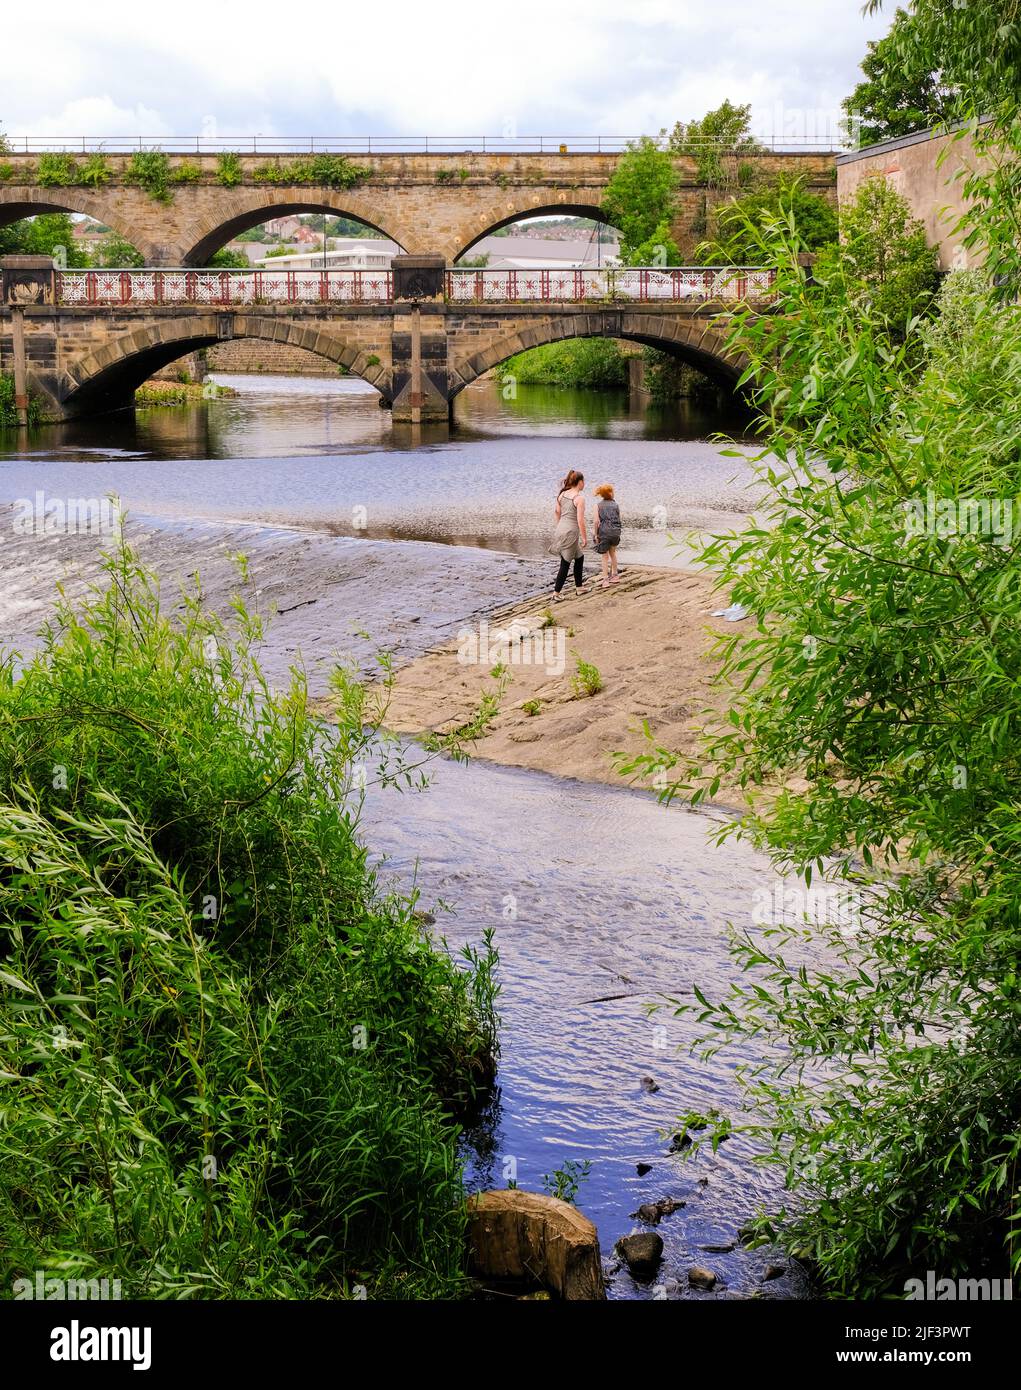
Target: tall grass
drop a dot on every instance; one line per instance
(229, 1062)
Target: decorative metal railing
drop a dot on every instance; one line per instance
(151, 287)
(679, 285)
(647, 284)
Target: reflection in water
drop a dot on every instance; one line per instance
(286, 416)
(319, 453)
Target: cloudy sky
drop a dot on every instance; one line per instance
(556, 67)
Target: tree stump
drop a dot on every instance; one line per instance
(528, 1238)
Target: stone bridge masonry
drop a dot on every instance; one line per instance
(418, 346)
(429, 204)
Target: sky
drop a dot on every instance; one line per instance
(553, 67)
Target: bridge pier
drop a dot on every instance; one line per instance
(420, 379)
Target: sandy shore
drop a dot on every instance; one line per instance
(649, 637)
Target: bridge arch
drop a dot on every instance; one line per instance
(17, 203)
(692, 338)
(107, 378)
(501, 212)
(243, 208)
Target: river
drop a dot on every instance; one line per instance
(603, 902)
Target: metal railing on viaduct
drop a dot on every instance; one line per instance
(641, 284)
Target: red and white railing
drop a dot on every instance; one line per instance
(153, 287)
(642, 283)
(631, 284)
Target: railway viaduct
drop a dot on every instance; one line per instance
(428, 204)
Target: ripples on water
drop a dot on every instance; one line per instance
(595, 895)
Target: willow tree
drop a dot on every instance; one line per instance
(874, 732)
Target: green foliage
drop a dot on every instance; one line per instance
(640, 201)
(228, 1057)
(583, 363)
(902, 92)
(188, 171)
(229, 171)
(586, 680)
(8, 412)
(6, 172)
(531, 707)
(116, 251)
(56, 171)
(667, 378)
(884, 254)
(95, 172)
(977, 50)
(565, 1182)
(324, 170)
(150, 169)
(42, 236)
(734, 244)
(720, 133)
(874, 730)
(229, 260)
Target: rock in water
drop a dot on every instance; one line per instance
(649, 1085)
(528, 1237)
(700, 1278)
(774, 1272)
(652, 1213)
(642, 1168)
(642, 1253)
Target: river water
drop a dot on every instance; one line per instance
(321, 455)
(603, 901)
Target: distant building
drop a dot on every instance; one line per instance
(354, 253)
(535, 252)
(284, 228)
(504, 253)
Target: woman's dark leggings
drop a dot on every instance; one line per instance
(565, 565)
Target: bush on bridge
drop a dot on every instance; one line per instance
(324, 170)
(227, 1056)
(228, 169)
(63, 171)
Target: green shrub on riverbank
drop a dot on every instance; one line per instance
(584, 363)
(877, 690)
(228, 1060)
(158, 393)
(8, 411)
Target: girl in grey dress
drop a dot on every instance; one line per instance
(569, 536)
(607, 534)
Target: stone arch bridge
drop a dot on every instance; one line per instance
(82, 341)
(435, 204)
